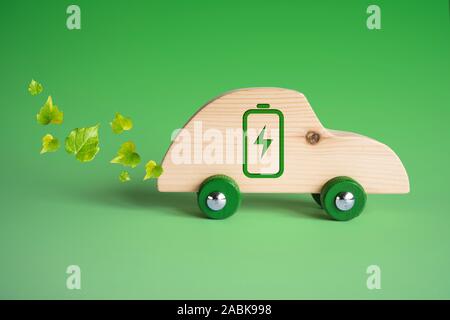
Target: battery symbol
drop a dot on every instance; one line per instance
(263, 141)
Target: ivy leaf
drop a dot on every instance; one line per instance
(152, 170)
(34, 88)
(49, 113)
(124, 176)
(121, 123)
(83, 143)
(49, 144)
(127, 155)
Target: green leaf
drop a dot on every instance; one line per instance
(49, 144)
(152, 170)
(83, 143)
(124, 176)
(127, 155)
(34, 88)
(121, 123)
(49, 113)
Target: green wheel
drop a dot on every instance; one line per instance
(316, 197)
(343, 198)
(219, 197)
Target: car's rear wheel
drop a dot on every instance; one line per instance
(343, 198)
(219, 197)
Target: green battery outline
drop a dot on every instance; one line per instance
(263, 108)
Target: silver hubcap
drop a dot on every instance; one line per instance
(216, 201)
(345, 201)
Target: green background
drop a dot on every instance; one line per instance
(158, 62)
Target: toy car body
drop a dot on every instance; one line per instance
(307, 156)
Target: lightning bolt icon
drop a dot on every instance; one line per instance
(265, 142)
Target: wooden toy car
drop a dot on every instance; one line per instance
(338, 168)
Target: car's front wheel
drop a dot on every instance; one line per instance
(219, 197)
(343, 198)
